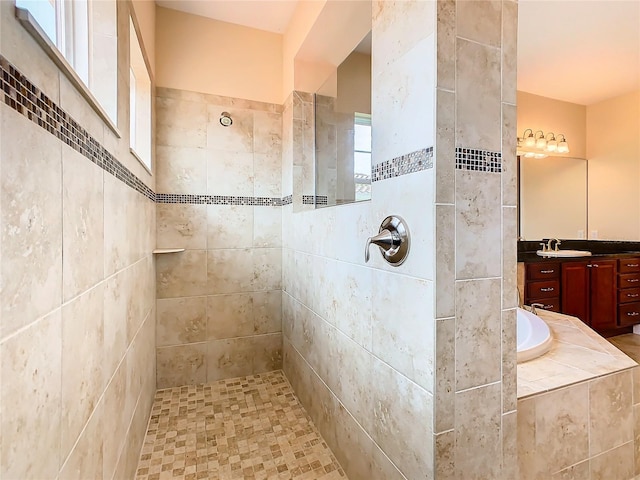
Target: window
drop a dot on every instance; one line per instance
(362, 156)
(84, 33)
(140, 101)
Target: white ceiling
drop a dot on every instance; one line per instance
(580, 51)
(270, 15)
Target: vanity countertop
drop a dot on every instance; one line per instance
(577, 354)
(532, 257)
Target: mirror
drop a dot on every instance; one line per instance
(552, 198)
(343, 131)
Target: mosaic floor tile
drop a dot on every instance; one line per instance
(243, 428)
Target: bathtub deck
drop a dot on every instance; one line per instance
(245, 428)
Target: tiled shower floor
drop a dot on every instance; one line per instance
(244, 428)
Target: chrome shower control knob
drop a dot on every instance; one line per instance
(393, 240)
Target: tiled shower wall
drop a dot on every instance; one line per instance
(77, 328)
(219, 301)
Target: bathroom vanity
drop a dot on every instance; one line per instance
(602, 290)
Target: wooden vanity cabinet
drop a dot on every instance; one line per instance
(543, 285)
(628, 291)
(589, 292)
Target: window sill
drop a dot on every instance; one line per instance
(31, 26)
(146, 167)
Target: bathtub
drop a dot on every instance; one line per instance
(534, 336)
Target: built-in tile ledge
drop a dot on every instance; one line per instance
(168, 250)
(577, 354)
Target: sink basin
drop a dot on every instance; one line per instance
(564, 253)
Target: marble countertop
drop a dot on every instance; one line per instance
(577, 354)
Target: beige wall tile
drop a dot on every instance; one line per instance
(480, 21)
(181, 123)
(267, 312)
(86, 458)
(445, 467)
(118, 251)
(182, 365)
(509, 51)
(407, 89)
(478, 115)
(351, 301)
(614, 464)
(445, 375)
(181, 169)
(230, 271)
(230, 226)
(510, 445)
(267, 133)
(230, 172)
(30, 398)
(478, 225)
(230, 316)
(446, 44)
(636, 436)
(267, 227)
(117, 295)
(398, 27)
(268, 174)
(236, 138)
(445, 267)
(30, 222)
(181, 274)
(509, 257)
(444, 151)
(82, 223)
(579, 471)
(478, 439)
(118, 412)
(352, 446)
(528, 462)
(562, 436)
(181, 320)
(402, 406)
(509, 159)
(636, 385)
(509, 361)
(403, 330)
(267, 269)
(181, 226)
(478, 327)
(82, 380)
(610, 412)
(236, 357)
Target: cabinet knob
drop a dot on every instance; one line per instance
(633, 295)
(548, 289)
(632, 314)
(547, 271)
(633, 280)
(632, 264)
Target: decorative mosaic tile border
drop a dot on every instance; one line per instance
(409, 163)
(315, 200)
(28, 100)
(218, 200)
(478, 160)
(287, 200)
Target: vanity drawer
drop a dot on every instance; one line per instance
(629, 280)
(543, 271)
(548, 289)
(629, 265)
(628, 295)
(551, 304)
(629, 314)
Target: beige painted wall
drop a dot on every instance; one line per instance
(145, 13)
(203, 55)
(354, 84)
(549, 115)
(613, 150)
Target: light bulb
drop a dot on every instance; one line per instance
(541, 143)
(552, 146)
(530, 141)
(563, 147)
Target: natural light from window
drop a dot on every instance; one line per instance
(140, 101)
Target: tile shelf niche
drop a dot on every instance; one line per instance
(168, 250)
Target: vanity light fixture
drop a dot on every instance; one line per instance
(539, 145)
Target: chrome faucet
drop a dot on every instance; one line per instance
(557, 242)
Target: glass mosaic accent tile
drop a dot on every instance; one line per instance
(243, 428)
(478, 160)
(409, 163)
